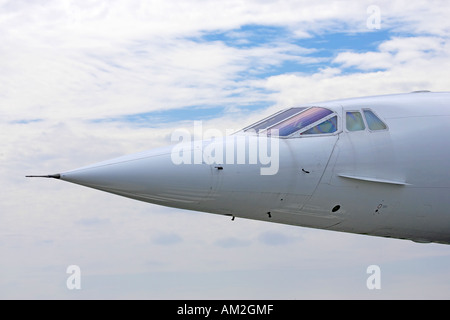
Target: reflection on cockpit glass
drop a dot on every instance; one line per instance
(373, 121)
(292, 120)
(274, 119)
(328, 126)
(300, 121)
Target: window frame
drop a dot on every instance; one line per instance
(362, 117)
(303, 109)
(298, 133)
(367, 124)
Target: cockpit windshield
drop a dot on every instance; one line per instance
(275, 119)
(297, 121)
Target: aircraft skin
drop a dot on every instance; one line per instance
(390, 181)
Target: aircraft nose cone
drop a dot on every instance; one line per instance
(149, 176)
(111, 174)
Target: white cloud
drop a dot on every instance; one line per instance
(58, 79)
(398, 52)
(399, 65)
(102, 59)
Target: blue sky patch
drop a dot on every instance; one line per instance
(333, 43)
(157, 118)
(248, 36)
(26, 121)
(315, 53)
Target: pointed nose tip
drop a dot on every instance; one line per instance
(54, 176)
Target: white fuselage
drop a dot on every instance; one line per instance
(393, 182)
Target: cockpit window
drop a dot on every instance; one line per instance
(373, 122)
(293, 120)
(354, 121)
(328, 126)
(300, 121)
(274, 119)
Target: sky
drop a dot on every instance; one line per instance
(86, 81)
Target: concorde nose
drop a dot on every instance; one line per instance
(149, 176)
